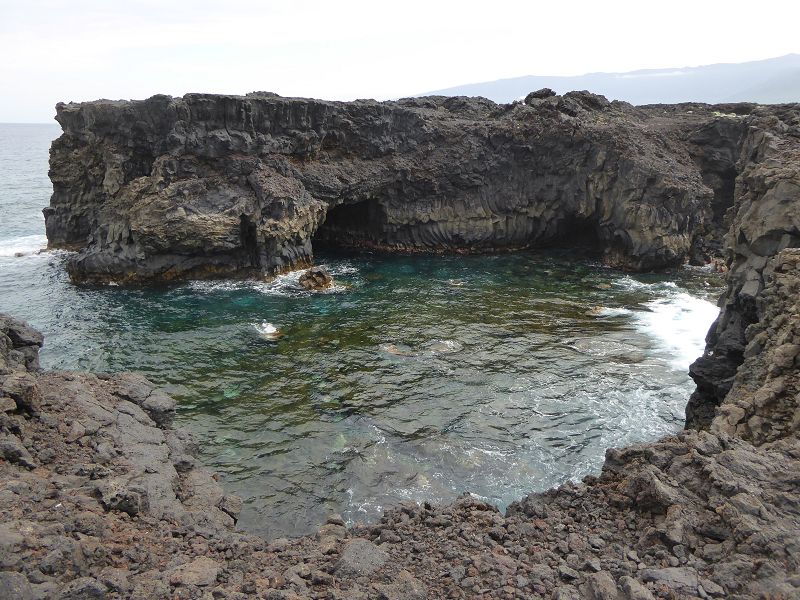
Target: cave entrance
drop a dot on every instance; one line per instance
(580, 234)
(353, 225)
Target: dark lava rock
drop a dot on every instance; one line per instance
(209, 186)
(763, 176)
(703, 513)
(15, 586)
(539, 95)
(315, 278)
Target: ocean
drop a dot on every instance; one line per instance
(416, 378)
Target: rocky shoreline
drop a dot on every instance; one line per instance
(101, 497)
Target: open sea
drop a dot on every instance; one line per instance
(415, 378)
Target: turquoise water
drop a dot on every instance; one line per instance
(415, 378)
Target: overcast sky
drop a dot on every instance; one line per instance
(344, 49)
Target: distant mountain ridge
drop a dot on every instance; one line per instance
(770, 81)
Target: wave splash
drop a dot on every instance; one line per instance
(23, 245)
(680, 323)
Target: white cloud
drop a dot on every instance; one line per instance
(85, 49)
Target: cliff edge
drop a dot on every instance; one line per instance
(206, 185)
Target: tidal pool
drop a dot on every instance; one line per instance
(416, 378)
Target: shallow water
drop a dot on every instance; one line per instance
(415, 378)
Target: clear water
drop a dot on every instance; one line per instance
(415, 378)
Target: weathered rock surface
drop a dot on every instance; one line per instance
(205, 185)
(764, 219)
(100, 497)
(315, 278)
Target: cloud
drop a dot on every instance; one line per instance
(86, 49)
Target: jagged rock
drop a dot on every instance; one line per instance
(539, 95)
(764, 219)
(83, 588)
(123, 495)
(205, 185)
(360, 557)
(15, 586)
(12, 449)
(315, 278)
(405, 587)
(601, 586)
(22, 388)
(680, 579)
(633, 590)
(201, 572)
(139, 390)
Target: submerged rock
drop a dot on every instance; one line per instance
(315, 278)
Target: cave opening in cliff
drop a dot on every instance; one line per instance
(580, 234)
(352, 225)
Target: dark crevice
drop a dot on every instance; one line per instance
(352, 225)
(580, 234)
(249, 238)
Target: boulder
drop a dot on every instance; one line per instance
(360, 557)
(315, 278)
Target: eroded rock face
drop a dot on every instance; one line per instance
(209, 185)
(765, 219)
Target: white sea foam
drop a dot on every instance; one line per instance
(679, 322)
(629, 283)
(605, 311)
(22, 245)
(444, 346)
(266, 330)
(282, 285)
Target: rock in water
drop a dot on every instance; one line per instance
(212, 186)
(316, 278)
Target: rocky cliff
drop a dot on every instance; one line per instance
(209, 185)
(100, 497)
(764, 219)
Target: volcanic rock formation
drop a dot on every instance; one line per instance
(206, 185)
(99, 496)
(764, 219)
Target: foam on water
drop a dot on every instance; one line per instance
(23, 245)
(284, 285)
(680, 323)
(267, 330)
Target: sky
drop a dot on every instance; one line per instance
(346, 49)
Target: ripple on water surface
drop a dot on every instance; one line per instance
(416, 378)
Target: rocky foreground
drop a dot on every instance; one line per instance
(101, 498)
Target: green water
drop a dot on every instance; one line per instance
(415, 378)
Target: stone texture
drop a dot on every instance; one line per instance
(315, 278)
(200, 572)
(121, 511)
(764, 220)
(360, 557)
(205, 185)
